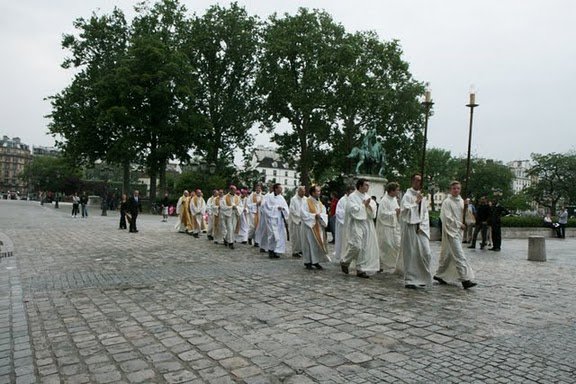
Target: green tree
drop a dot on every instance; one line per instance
(440, 170)
(222, 47)
(376, 90)
(486, 177)
(47, 173)
(554, 178)
(297, 80)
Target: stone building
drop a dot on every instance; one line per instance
(520, 170)
(14, 156)
(273, 169)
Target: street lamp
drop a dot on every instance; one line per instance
(427, 103)
(104, 204)
(472, 104)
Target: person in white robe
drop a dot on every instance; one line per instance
(211, 208)
(197, 210)
(339, 224)
(453, 265)
(361, 241)
(276, 214)
(182, 216)
(314, 222)
(254, 204)
(244, 223)
(217, 230)
(470, 221)
(296, 221)
(230, 210)
(415, 243)
(388, 228)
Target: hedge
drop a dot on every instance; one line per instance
(530, 222)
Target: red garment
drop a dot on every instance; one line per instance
(333, 205)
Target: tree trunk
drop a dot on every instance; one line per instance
(152, 174)
(126, 177)
(162, 177)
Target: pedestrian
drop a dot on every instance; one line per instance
(314, 220)
(481, 226)
(453, 264)
(134, 208)
(84, 205)
(197, 211)
(563, 221)
(470, 221)
(296, 221)
(339, 224)
(254, 203)
(123, 211)
(552, 225)
(415, 243)
(244, 219)
(212, 205)
(75, 204)
(230, 210)
(182, 209)
(388, 228)
(276, 214)
(165, 203)
(361, 240)
(496, 213)
(332, 216)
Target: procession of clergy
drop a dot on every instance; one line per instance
(394, 235)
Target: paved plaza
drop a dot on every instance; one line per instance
(82, 302)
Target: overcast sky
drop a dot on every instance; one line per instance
(520, 55)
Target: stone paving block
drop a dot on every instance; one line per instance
(179, 377)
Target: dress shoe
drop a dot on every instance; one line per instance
(296, 255)
(332, 242)
(262, 250)
(249, 241)
(225, 243)
(468, 284)
(231, 246)
(363, 275)
(270, 253)
(244, 242)
(256, 244)
(410, 286)
(494, 249)
(440, 280)
(317, 266)
(473, 247)
(195, 235)
(465, 242)
(210, 237)
(308, 265)
(344, 268)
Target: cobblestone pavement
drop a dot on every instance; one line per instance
(82, 302)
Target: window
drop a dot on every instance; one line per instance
(285, 181)
(286, 173)
(274, 173)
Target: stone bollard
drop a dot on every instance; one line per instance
(536, 248)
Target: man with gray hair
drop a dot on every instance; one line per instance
(296, 221)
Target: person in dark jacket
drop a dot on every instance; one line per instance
(482, 217)
(134, 207)
(123, 210)
(496, 214)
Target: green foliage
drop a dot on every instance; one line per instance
(518, 202)
(554, 179)
(55, 174)
(487, 177)
(530, 221)
(206, 182)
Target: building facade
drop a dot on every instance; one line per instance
(520, 170)
(14, 156)
(273, 169)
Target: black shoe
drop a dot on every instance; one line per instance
(468, 284)
(473, 247)
(344, 268)
(244, 242)
(410, 286)
(332, 242)
(380, 271)
(317, 266)
(308, 265)
(249, 241)
(215, 242)
(296, 255)
(225, 243)
(276, 256)
(210, 237)
(494, 249)
(195, 235)
(440, 280)
(363, 275)
(465, 242)
(270, 253)
(256, 244)
(262, 250)
(231, 246)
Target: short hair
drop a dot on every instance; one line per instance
(392, 186)
(453, 183)
(275, 186)
(360, 182)
(312, 189)
(350, 188)
(414, 176)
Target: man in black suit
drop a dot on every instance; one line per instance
(134, 207)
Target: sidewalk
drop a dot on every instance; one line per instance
(83, 302)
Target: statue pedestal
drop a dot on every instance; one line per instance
(377, 185)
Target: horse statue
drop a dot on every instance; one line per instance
(371, 154)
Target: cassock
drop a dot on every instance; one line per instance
(217, 222)
(453, 265)
(261, 234)
(254, 202)
(210, 209)
(276, 211)
(197, 210)
(229, 214)
(339, 228)
(244, 221)
(388, 229)
(296, 204)
(313, 240)
(415, 243)
(181, 224)
(361, 242)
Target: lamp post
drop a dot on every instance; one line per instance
(472, 104)
(427, 103)
(104, 205)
